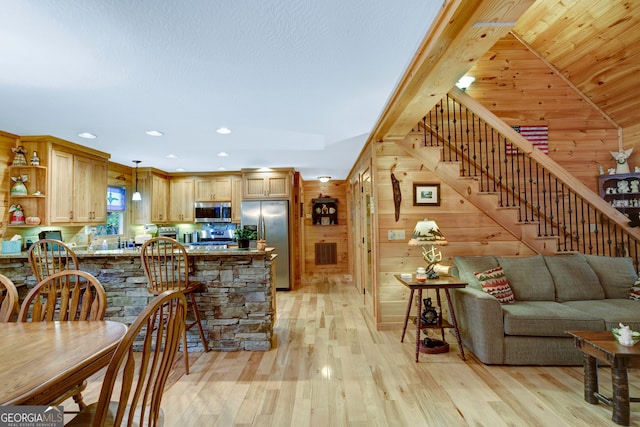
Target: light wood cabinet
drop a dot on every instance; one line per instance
(267, 185)
(214, 189)
(154, 190)
(78, 188)
(90, 189)
(236, 199)
(181, 196)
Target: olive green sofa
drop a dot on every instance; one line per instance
(553, 294)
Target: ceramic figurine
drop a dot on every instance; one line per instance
(623, 187)
(600, 170)
(19, 159)
(635, 186)
(621, 160)
(626, 337)
(17, 214)
(35, 160)
(19, 189)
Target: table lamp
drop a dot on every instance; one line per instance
(427, 232)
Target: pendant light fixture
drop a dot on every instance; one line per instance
(136, 196)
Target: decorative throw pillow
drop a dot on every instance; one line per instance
(635, 291)
(495, 283)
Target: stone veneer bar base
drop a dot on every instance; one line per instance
(237, 303)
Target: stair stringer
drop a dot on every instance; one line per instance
(488, 203)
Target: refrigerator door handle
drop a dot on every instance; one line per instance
(261, 228)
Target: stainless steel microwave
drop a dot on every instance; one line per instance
(213, 211)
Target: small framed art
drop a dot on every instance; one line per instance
(426, 194)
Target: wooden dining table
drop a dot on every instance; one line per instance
(40, 361)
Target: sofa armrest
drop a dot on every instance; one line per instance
(481, 325)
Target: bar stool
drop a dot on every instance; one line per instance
(166, 266)
(48, 256)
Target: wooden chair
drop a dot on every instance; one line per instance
(166, 266)
(9, 304)
(69, 295)
(140, 379)
(48, 256)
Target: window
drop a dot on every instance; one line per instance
(116, 205)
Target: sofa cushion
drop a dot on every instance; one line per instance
(574, 278)
(547, 319)
(469, 265)
(495, 283)
(528, 277)
(616, 274)
(613, 311)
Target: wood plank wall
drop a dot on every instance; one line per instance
(519, 88)
(325, 233)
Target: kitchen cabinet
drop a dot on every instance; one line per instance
(236, 199)
(181, 196)
(77, 189)
(33, 205)
(154, 190)
(213, 189)
(267, 185)
(90, 189)
(622, 191)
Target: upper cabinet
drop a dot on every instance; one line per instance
(154, 189)
(69, 185)
(267, 185)
(181, 200)
(78, 188)
(213, 189)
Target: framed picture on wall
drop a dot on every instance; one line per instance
(426, 194)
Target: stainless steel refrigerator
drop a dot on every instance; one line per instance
(271, 219)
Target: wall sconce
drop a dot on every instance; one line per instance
(324, 178)
(136, 195)
(465, 82)
(426, 233)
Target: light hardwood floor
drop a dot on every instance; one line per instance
(332, 368)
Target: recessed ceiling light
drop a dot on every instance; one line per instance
(222, 168)
(224, 131)
(264, 169)
(222, 154)
(171, 156)
(154, 133)
(87, 135)
(179, 169)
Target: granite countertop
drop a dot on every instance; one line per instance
(191, 250)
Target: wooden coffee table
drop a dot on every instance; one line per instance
(601, 345)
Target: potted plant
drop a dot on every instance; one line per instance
(243, 235)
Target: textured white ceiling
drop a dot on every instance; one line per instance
(299, 82)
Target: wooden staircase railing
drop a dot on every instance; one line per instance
(524, 178)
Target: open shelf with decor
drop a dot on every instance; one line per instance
(622, 191)
(29, 184)
(324, 211)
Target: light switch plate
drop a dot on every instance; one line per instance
(396, 235)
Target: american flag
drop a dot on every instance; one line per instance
(536, 135)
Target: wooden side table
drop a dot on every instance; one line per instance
(601, 345)
(445, 283)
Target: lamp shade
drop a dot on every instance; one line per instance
(427, 232)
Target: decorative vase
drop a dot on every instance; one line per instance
(35, 160)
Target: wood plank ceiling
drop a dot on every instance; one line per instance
(592, 44)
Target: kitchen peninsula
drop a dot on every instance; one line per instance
(237, 303)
